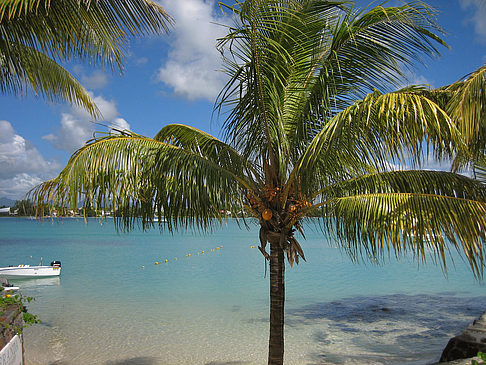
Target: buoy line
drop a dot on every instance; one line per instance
(166, 261)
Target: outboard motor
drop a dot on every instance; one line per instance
(56, 263)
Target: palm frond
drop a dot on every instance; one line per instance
(139, 177)
(67, 29)
(370, 47)
(96, 30)
(422, 182)
(203, 144)
(467, 107)
(465, 102)
(479, 168)
(378, 130)
(422, 212)
(46, 77)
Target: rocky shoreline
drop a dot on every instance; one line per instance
(461, 349)
(457, 362)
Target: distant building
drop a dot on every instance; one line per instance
(6, 211)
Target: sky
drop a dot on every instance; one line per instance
(175, 78)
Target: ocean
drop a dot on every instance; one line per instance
(114, 305)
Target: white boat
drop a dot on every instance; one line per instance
(27, 271)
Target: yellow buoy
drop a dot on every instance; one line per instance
(166, 260)
(143, 267)
(217, 248)
(202, 251)
(252, 246)
(175, 258)
(212, 250)
(156, 262)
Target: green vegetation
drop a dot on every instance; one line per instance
(466, 103)
(310, 129)
(35, 35)
(482, 357)
(24, 208)
(17, 301)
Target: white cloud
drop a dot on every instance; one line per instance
(107, 107)
(77, 126)
(6, 132)
(17, 186)
(21, 165)
(411, 78)
(97, 80)
(192, 65)
(120, 124)
(478, 19)
(74, 132)
(415, 79)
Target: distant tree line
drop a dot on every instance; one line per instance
(23, 208)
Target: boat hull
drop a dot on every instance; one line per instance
(29, 271)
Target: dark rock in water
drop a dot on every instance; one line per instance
(468, 343)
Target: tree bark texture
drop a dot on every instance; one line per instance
(277, 299)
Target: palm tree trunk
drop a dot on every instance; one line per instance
(277, 299)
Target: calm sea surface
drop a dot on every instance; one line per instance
(112, 305)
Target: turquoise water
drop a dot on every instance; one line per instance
(113, 305)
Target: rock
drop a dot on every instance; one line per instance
(458, 362)
(468, 343)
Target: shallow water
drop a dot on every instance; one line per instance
(212, 308)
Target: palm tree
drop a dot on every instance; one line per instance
(36, 35)
(465, 101)
(299, 144)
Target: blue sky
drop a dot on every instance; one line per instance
(175, 79)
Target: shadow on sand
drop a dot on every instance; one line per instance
(227, 363)
(389, 329)
(135, 361)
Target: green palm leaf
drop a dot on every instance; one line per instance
(467, 106)
(138, 177)
(465, 102)
(65, 29)
(203, 144)
(373, 133)
(423, 212)
(46, 77)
